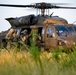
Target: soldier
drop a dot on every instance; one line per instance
(11, 37)
(24, 36)
(15, 36)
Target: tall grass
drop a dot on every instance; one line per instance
(22, 63)
(25, 63)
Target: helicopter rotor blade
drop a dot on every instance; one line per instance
(64, 7)
(44, 5)
(41, 5)
(60, 3)
(11, 5)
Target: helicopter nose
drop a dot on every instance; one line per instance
(70, 44)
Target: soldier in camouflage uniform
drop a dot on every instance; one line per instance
(11, 37)
(24, 36)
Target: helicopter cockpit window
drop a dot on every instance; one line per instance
(50, 32)
(62, 31)
(70, 29)
(74, 27)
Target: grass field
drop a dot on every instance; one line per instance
(37, 63)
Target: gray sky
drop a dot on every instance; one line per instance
(6, 12)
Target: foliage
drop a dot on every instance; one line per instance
(22, 63)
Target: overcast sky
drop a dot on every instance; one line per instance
(6, 12)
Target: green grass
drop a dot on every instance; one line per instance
(23, 63)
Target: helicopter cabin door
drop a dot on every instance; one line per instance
(50, 37)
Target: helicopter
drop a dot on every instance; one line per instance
(51, 29)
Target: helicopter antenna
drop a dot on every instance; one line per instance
(51, 14)
(74, 22)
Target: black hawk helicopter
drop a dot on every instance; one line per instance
(51, 29)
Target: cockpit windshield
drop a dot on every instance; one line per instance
(70, 29)
(61, 30)
(74, 27)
